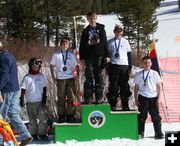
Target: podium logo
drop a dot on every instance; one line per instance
(172, 138)
(96, 119)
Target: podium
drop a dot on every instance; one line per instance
(98, 122)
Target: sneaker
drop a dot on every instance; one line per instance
(159, 136)
(26, 141)
(43, 137)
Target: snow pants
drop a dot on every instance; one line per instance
(94, 79)
(148, 105)
(119, 86)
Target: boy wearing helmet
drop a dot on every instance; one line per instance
(33, 91)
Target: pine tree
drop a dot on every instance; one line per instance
(139, 20)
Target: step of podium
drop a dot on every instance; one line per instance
(98, 122)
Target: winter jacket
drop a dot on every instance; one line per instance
(8, 73)
(88, 51)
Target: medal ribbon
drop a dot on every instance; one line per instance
(93, 31)
(117, 47)
(64, 57)
(145, 79)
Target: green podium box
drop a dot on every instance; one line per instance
(98, 122)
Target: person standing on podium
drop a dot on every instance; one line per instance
(63, 63)
(119, 69)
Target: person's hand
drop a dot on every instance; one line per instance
(1, 99)
(83, 62)
(22, 102)
(82, 65)
(157, 101)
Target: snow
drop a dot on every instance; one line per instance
(110, 21)
(147, 141)
(169, 21)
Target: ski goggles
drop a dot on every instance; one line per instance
(37, 62)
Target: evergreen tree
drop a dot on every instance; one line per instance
(139, 20)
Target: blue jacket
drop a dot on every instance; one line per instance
(8, 73)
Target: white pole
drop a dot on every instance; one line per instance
(76, 43)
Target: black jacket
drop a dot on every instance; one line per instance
(88, 51)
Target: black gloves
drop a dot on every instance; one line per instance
(22, 101)
(44, 97)
(44, 100)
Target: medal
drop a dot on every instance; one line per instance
(116, 55)
(64, 68)
(93, 37)
(64, 60)
(117, 47)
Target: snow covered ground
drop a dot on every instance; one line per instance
(147, 141)
(169, 21)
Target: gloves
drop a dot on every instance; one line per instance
(44, 97)
(44, 100)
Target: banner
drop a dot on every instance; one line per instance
(153, 56)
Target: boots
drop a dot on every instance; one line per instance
(88, 93)
(125, 103)
(158, 132)
(112, 101)
(62, 119)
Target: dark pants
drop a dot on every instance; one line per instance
(119, 86)
(65, 92)
(148, 105)
(94, 80)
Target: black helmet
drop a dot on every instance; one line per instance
(34, 61)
